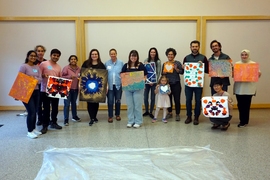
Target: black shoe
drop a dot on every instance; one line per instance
(188, 120)
(225, 127)
(146, 114)
(95, 120)
(215, 126)
(151, 115)
(241, 125)
(39, 123)
(92, 121)
(196, 121)
(44, 130)
(55, 126)
(76, 119)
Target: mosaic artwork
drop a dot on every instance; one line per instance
(151, 73)
(215, 106)
(246, 72)
(58, 87)
(220, 68)
(168, 67)
(132, 81)
(194, 74)
(93, 85)
(23, 87)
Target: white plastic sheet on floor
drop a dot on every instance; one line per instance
(138, 164)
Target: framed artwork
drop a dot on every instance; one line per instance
(220, 68)
(132, 81)
(151, 73)
(194, 74)
(215, 106)
(58, 87)
(93, 85)
(168, 67)
(246, 72)
(23, 87)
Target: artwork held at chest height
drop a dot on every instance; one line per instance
(58, 87)
(246, 72)
(151, 73)
(194, 74)
(132, 81)
(220, 68)
(93, 85)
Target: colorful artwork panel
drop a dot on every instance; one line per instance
(168, 67)
(93, 85)
(23, 87)
(151, 73)
(58, 87)
(220, 68)
(194, 74)
(132, 81)
(164, 89)
(215, 106)
(246, 72)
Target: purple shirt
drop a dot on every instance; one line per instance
(33, 71)
(68, 72)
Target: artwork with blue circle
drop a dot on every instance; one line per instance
(93, 85)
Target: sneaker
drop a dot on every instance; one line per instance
(66, 124)
(241, 125)
(95, 120)
(164, 120)
(31, 135)
(136, 125)
(177, 117)
(39, 123)
(55, 126)
(129, 125)
(146, 114)
(151, 115)
(44, 130)
(92, 121)
(36, 132)
(154, 120)
(169, 115)
(76, 119)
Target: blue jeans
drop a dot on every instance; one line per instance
(31, 108)
(114, 96)
(72, 98)
(134, 101)
(146, 97)
(189, 96)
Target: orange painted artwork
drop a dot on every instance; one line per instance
(215, 106)
(246, 72)
(168, 67)
(194, 74)
(23, 87)
(132, 81)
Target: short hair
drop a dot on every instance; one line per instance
(71, 56)
(195, 42)
(37, 46)
(112, 50)
(171, 50)
(218, 82)
(55, 51)
(215, 41)
(28, 54)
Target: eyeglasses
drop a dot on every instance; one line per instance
(33, 56)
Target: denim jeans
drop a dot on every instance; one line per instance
(114, 96)
(31, 108)
(146, 97)
(189, 96)
(47, 103)
(134, 101)
(72, 98)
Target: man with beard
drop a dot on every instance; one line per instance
(218, 55)
(194, 57)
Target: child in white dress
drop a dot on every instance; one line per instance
(162, 92)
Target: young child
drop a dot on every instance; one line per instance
(162, 92)
(223, 122)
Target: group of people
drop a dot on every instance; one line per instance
(167, 87)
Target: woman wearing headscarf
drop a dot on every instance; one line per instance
(244, 91)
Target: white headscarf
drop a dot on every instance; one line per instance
(248, 53)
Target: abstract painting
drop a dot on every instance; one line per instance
(246, 72)
(93, 85)
(194, 74)
(23, 87)
(58, 87)
(215, 106)
(220, 68)
(132, 81)
(151, 73)
(168, 67)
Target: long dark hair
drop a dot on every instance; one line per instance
(156, 57)
(28, 54)
(133, 53)
(90, 60)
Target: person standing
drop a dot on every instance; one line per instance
(93, 62)
(152, 57)
(114, 68)
(244, 92)
(50, 105)
(174, 81)
(71, 71)
(194, 57)
(134, 98)
(29, 68)
(218, 55)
